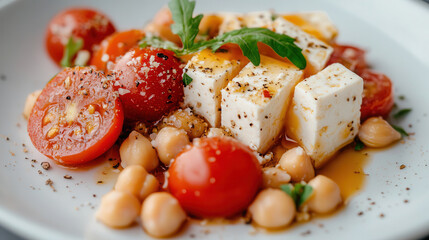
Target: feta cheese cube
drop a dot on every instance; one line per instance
(210, 72)
(325, 112)
(234, 21)
(316, 23)
(230, 22)
(254, 103)
(315, 51)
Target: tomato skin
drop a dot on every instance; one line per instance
(87, 24)
(149, 82)
(216, 177)
(115, 46)
(82, 105)
(378, 95)
(351, 57)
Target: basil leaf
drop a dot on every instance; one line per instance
(400, 130)
(184, 24)
(72, 47)
(248, 38)
(359, 144)
(402, 113)
(186, 79)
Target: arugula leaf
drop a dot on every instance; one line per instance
(247, 39)
(159, 43)
(359, 144)
(72, 47)
(402, 113)
(186, 79)
(400, 130)
(299, 193)
(184, 24)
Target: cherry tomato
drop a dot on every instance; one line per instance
(216, 177)
(149, 82)
(377, 95)
(87, 24)
(161, 26)
(351, 57)
(77, 117)
(115, 46)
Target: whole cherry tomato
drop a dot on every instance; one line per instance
(149, 82)
(115, 46)
(77, 117)
(216, 177)
(78, 23)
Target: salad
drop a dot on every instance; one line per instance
(199, 103)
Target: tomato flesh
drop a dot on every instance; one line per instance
(351, 57)
(216, 177)
(115, 46)
(377, 95)
(149, 82)
(87, 24)
(77, 117)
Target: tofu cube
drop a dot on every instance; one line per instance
(315, 51)
(325, 112)
(316, 23)
(210, 72)
(254, 103)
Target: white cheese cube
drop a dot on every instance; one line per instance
(210, 72)
(315, 51)
(325, 112)
(254, 103)
(234, 21)
(316, 23)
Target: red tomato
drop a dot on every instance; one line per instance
(115, 46)
(377, 95)
(77, 117)
(89, 25)
(149, 83)
(351, 57)
(216, 177)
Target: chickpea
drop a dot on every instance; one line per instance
(297, 164)
(118, 209)
(216, 132)
(274, 177)
(135, 180)
(29, 103)
(184, 119)
(377, 132)
(326, 195)
(137, 150)
(169, 142)
(162, 214)
(272, 208)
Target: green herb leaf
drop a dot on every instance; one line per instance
(402, 113)
(159, 43)
(359, 144)
(401, 97)
(184, 25)
(299, 193)
(247, 39)
(400, 130)
(186, 79)
(72, 47)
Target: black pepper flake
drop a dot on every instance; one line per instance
(68, 98)
(3, 77)
(116, 166)
(222, 50)
(161, 55)
(169, 97)
(81, 79)
(67, 177)
(99, 182)
(94, 195)
(360, 213)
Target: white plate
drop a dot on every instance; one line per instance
(393, 32)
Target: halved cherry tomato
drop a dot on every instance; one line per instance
(377, 95)
(351, 57)
(115, 46)
(77, 117)
(87, 24)
(216, 177)
(149, 82)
